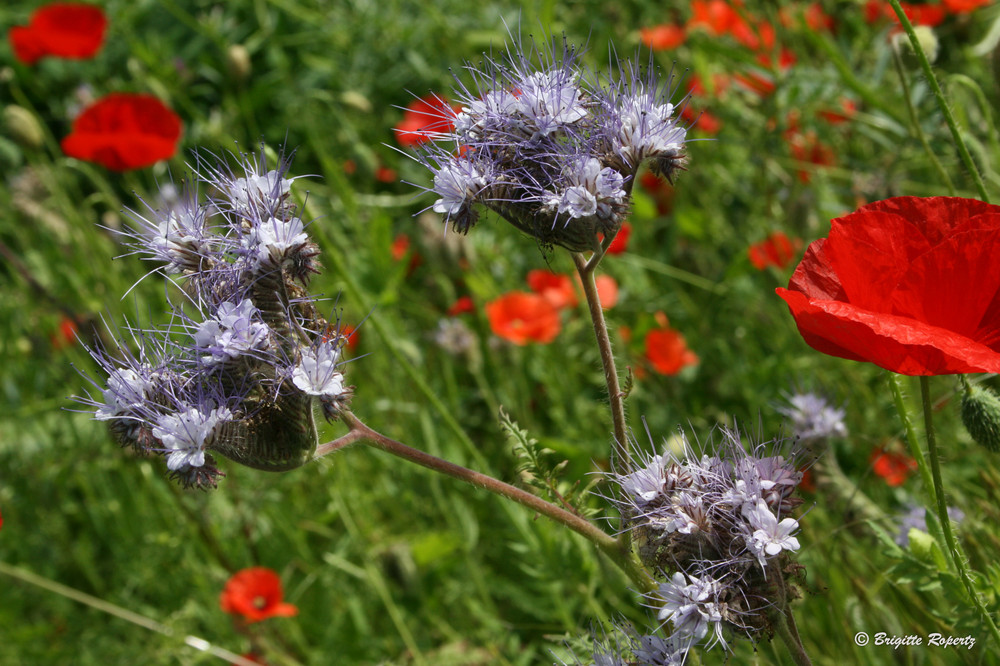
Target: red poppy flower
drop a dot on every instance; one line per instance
(894, 467)
(423, 119)
(620, 243)
(61, 30)
(807, 483)
(662, 37)
(716, 16)
(521, 318)
(847, 110)
(808, 148)
(350, 334)
(255, 593)
(667, 351)
(556, 288)
(909, 284)
(384, 174)
(776, 250)
(66, 335)
(124, 131)
(607, 291)
(964, 6)
(461, 305)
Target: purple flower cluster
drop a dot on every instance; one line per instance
(716, 529)
(551, 148)
(246, 354)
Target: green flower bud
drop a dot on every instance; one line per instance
(238, 62)
(23, 126)
(981, 416)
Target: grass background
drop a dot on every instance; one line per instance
(386, 562)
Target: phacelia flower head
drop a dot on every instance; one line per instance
(812, 417)
(549, 146)
(246, 356)
(715, 526)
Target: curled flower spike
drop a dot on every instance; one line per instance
(716, 527)
(247, 358)
(549, 147)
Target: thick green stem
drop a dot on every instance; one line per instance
(954, 548)
(605, 543)
(949, 118)
(917, 130)
(784, 624)
(911, 435)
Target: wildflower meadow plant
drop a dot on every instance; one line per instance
(707, 530)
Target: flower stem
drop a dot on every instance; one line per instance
(615, 396)
(616, 399)
(949, 118)
(911, 435)
(608, 545)
(954, 548)
(784, 625)
(917, 130)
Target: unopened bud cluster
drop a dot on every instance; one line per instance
(552, 149)
(716, 529)
(246, 356)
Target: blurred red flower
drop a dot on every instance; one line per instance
(663, 192)
(60, 29)
(521, 317)
(964, 6)
(462, 304)
(894, 467)
(423, 119)
(607, 291)
(256, 594)
(716, 16)
(662, 37)
(847, 110)
(384, 174)
(556, 288)
(350, 333)
(66, 336)
(124, 131)
(620, 243)
(811, 16)
(909, 284)
(926, 14)
(667, 351)
(808, 148)
(776, 250)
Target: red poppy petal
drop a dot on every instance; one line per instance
(900, 344)
(25, 44)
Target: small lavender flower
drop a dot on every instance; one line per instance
(813, 418)
(235, 329)
(187, 433)
(691, 604)
(916, 518)
(769, 537)
(316, 372)
(548, 147)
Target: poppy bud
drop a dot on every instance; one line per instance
(23, 126)
(925, 36)
(238, 62)
(981, 416)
